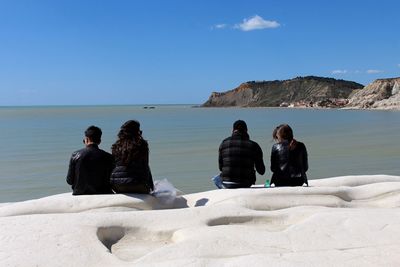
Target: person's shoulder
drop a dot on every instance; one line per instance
(300, 145)
(254, 143)
(227, 139)
(78, 153)
(299, 148)
(280, 146)
(108, 157)
(105, 153)
(275, 145)
(144, 143)
(230, 139)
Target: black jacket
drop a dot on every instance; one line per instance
(89, 171)
(133, 178)
(289, 165)
(238, 156)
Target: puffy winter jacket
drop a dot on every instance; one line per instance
(239, 157)
(133, 178)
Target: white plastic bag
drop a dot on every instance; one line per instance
(164, 190)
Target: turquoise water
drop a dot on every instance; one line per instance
(36, 142)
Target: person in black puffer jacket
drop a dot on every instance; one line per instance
(131, 152)
(239, 158)
(90, 167)
(289, 160)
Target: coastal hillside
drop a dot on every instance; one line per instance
(380, 94)
(300, 91)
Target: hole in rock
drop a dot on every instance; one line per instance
(230, 220)
(110, 235)
(267, 223)
(129, 244)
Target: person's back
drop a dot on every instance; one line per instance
(240, 158)
(298, 159)
(131, 152)
(280, 160)
(132, 177)
(90, 167)
(289, 160)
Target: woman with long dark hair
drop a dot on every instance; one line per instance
(131, 153)
(289, 160)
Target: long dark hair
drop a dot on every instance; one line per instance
(130, 145)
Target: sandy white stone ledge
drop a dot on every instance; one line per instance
(342, 221)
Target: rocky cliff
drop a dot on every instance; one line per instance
(381, 94)
(298, 91)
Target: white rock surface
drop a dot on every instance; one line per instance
(342, 221)
(380, 94)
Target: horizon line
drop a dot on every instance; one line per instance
(97, 105)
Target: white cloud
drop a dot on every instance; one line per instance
(339, 71)
(220, 26)
(371, 71)
(374, 71)
(256, 23)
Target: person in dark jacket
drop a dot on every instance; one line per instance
(131, 153)
(239, 158)
(289, 160)
(90, 168)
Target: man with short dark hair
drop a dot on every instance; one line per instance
(90, 167)
(239, 158)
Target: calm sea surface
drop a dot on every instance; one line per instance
(36, 142)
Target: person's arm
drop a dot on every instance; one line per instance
(259, 162)
(305, 159)
(71, 171)
(151, 183)
(220, 160)
(112, 167)
(150, 176)
(304, 164)
(274, 160)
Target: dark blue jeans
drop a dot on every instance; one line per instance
(221, 185)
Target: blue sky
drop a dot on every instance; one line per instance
(133, 52)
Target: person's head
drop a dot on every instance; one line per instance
(93, 135)
(130, 130)
(240, 126)
(130, 144)
(283, 132)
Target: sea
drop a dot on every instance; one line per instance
(36, 142)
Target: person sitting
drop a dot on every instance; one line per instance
(289, 162)
(239, 158)
(131, 153)
(90, 167)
